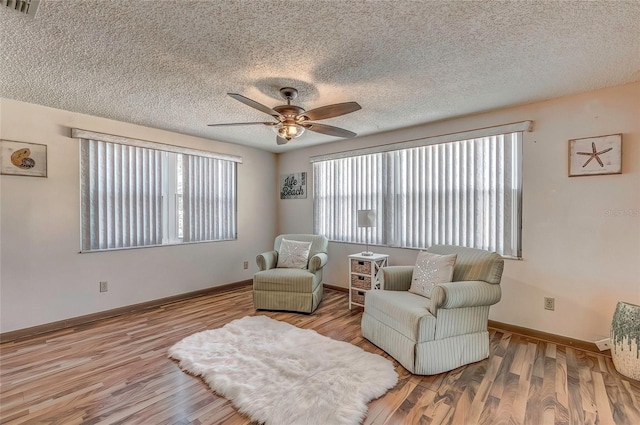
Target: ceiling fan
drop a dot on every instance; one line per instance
(293, 120)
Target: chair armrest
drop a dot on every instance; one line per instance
(396, 278)
(467, 293)
(267, 260)
(318, 261)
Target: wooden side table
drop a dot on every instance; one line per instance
(364, 275)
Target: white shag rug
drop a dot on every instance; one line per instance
(279, 374)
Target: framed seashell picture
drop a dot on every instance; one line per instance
(23, 159)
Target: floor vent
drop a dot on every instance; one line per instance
(28, 7)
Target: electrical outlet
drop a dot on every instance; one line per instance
(549, 303)
(604, 344)
(246, 264)
(104, 286)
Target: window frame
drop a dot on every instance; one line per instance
(170, 222)
(384, 233)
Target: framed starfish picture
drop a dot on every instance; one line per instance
(595, 155)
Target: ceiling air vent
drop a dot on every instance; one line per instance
(28, 7)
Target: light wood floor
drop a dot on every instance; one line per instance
(116, 371)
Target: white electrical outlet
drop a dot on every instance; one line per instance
(104, 286)
(246, 264)
(604, 344)
(549, 303)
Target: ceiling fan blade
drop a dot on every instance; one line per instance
(255, 105)
(331, 111)
(241, 123)
(281, 140)
(328, 129)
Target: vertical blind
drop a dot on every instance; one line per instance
(122, 192)
(121, 195)
(209, 199)
(342, 187)
(464, 193)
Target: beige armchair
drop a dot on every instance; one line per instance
(290, 289)
(433, 335)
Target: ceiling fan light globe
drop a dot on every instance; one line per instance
(288, 131)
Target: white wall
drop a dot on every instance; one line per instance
(44, 279)
(574, 249)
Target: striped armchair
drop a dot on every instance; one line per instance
(290, 289)
(430, 336)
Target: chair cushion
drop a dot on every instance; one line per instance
(431, 269)
(319, 243)
(473, 264)
(287, 280)
(403, 311)
(293, 254)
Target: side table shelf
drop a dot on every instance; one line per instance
(364, 275)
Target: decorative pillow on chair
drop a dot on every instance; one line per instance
(293, 254)
(430, 270)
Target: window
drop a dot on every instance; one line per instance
(464, 192)
(138, 194)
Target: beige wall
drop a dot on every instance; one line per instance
(44, 279)
(581, 235)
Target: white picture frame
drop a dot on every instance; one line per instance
(23, 159)
(595, 155)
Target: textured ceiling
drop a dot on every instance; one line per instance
(169, 63)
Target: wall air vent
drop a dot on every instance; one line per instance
(28, 7)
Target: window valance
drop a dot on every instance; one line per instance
(102, 137)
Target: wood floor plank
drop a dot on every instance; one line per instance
(401, 415)
(505, 413)
(418, 411)
(576, 412)
(488, 415)
(533, 414)
(382, 409)
(630, 395)
(479, 402)
(548, 394)
(520, 402)
(562, 388)
(605, 417)
(116, 371)
(587, 390)
(508, 356)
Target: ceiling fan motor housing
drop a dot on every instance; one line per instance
(288, 111)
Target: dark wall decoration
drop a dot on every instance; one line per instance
(293, 186)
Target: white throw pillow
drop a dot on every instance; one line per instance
(293, 254)
(430, 270)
